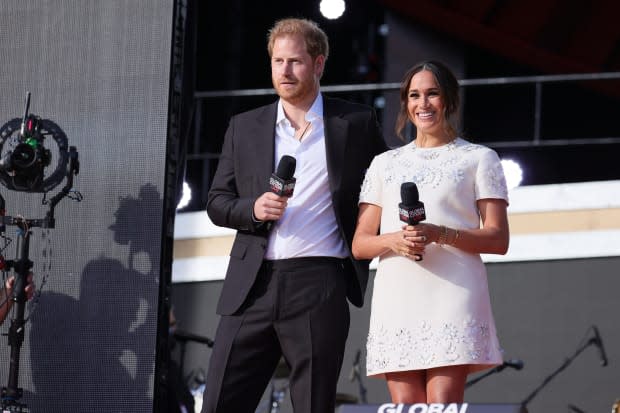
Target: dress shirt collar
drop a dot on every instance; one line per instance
(315, 111)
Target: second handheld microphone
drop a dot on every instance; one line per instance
(411, 209)
(282, 182)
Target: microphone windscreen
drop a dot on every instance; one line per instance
(286, 167)
(409, 193)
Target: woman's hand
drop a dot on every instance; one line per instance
(414, 241)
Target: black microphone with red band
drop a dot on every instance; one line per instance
(282, 182)
(411, 209)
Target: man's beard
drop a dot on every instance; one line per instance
(299, 92)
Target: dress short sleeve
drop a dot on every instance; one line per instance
(490, 179)
(372, 187)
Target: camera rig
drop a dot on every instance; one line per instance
(23, 160)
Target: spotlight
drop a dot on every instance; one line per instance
(379, 102)
(185, 197)
(332, 9)
(513, 173)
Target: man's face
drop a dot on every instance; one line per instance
(295, 75)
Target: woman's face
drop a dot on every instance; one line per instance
(425, 104)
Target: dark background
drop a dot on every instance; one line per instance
(376, 41)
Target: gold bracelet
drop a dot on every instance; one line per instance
(456, 236)
(443, 235)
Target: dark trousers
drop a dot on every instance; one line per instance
(297, 309)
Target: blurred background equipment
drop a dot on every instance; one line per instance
(23, 169)
(595, 340)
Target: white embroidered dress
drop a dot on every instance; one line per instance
(436, 312)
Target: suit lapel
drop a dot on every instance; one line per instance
(335, 142)
(261, 146)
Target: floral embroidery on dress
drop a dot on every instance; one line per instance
(497, 180)
(428, 167)
(367, 188)
(428, 345)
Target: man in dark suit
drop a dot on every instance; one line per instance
(291, 268)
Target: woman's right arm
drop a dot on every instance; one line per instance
(368, 244)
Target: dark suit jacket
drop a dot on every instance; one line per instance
(352, 138)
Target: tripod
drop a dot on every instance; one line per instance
(22, 265)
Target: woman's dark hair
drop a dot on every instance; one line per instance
(448, 88)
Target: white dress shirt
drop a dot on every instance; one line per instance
(308, 226)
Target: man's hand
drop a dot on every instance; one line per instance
(269, 207)
(9, 284)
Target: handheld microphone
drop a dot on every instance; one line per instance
(598, 341)
(282, 182)
(515, 364)
(410, 210)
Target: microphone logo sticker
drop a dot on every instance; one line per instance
(418, 214)
(275, 185)
(413, 215)
(282, 187)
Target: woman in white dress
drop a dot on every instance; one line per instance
(431, 322)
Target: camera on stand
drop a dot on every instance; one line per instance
(23, 162)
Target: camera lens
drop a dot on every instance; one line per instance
(24, 156)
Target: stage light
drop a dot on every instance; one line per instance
(513, 173)
(185, 197)
(332, 9)
(384, 30)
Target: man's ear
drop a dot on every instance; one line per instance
(319, 65)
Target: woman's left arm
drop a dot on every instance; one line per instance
(492, 238)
